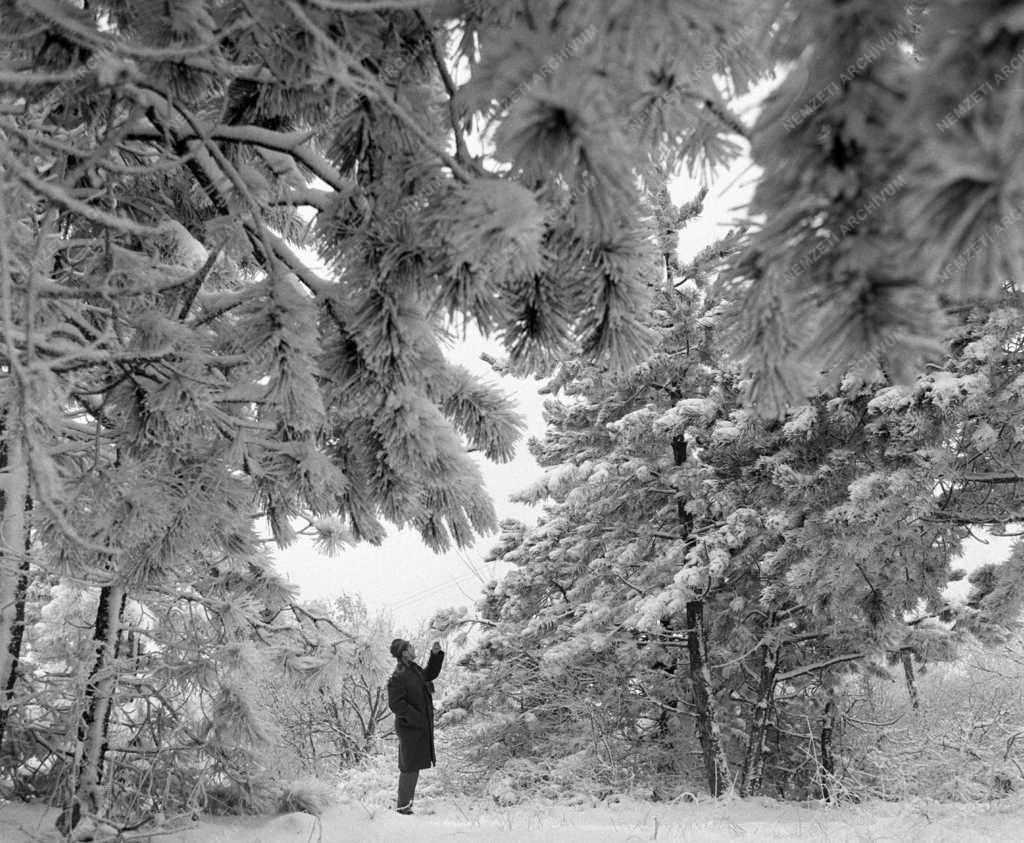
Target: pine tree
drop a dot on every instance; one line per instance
(807, 547)
(887, 193)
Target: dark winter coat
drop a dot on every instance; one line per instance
(410, 697)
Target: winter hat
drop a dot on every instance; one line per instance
(397, 646)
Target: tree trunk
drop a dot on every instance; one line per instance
(708, 732)
(907, 657)
(13, 559)
(828, 764)
(17, 635)
(98, 703)
(753, 760)
(716, 765)
(679, 457)
(671, 667)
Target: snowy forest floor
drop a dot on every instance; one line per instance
(726, 820)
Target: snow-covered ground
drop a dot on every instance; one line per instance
(727, 820)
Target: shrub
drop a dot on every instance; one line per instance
(964, 743)
(307, 795)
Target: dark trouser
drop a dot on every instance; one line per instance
(407, 788)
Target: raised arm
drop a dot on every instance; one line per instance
(434, 664)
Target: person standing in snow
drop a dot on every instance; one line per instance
(410, 697)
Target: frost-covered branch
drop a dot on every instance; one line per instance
(821, 665)
(60, 195)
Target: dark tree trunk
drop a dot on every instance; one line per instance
(17, 635)
(679, 449)
(907, 657)
(828, 764)
(708, 732)
(716, 765)
(13, 557)
(753, 760)
(679, 457)
(97, 707)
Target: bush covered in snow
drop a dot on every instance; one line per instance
(308, 795)
(963, 743)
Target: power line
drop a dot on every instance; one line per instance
(416, 597)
